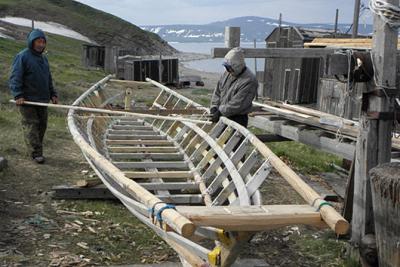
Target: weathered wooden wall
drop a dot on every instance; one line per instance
(140, 69)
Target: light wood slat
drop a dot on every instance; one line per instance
(140, 142)
(154, 156)
(130, 149)
(154, 164)
(132, 132)
(130, 127)
(135, 137)
(252, 218)
(160, 174)
(171, 186)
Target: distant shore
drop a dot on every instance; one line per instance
(210, 79)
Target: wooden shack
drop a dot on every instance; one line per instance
(127, 66)
(164, 70)
(93, 56)
(290, 79)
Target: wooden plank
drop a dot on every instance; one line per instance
(140, 142)
(159, 174)
(101, 192)
(276, 52)
(130, 149)
(132, 132)
(154, 164)
(153, 156)
(135, 137)
(132, 127)
(252, 218)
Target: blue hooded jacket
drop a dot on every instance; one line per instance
(30, 75)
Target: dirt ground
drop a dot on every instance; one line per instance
(36, 230)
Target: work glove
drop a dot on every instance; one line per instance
(215, 115)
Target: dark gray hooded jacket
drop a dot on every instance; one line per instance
(235, 92)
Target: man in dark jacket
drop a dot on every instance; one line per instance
(235, 90)
(31, 80)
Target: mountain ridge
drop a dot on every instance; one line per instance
(252, 27)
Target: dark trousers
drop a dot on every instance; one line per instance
(34, 125)
(241, 119)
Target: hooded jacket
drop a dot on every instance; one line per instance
(30, 75)
(235, 91)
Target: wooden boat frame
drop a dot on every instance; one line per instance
(205, 178)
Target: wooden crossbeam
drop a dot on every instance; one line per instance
(252, 218)
(140, 142)
(276, 52)
(130, 149)
(154, 156)
(153, 164)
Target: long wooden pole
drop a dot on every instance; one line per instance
(114, 112)
(357, 4)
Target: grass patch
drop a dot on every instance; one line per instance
(304, 158)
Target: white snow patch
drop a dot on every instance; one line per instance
(2, 35)
(249, 20)
(50, 27)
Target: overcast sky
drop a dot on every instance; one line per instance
(151, 12)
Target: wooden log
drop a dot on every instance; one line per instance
(115, 112)
(385, 183)
(332, 218)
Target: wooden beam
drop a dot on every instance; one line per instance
(374, 140)
(276, 52)
(252, 218)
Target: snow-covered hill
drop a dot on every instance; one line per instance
(50, 27)
(252, 28)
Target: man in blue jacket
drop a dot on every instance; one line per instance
(31, 80)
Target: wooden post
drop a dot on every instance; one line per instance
(128, 98)
(356, 18)
(160, 69)
(33, 25)
(374, 141)
(385, 181)
(232, 37)
(336, 21)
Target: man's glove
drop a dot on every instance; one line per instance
(215, 114)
